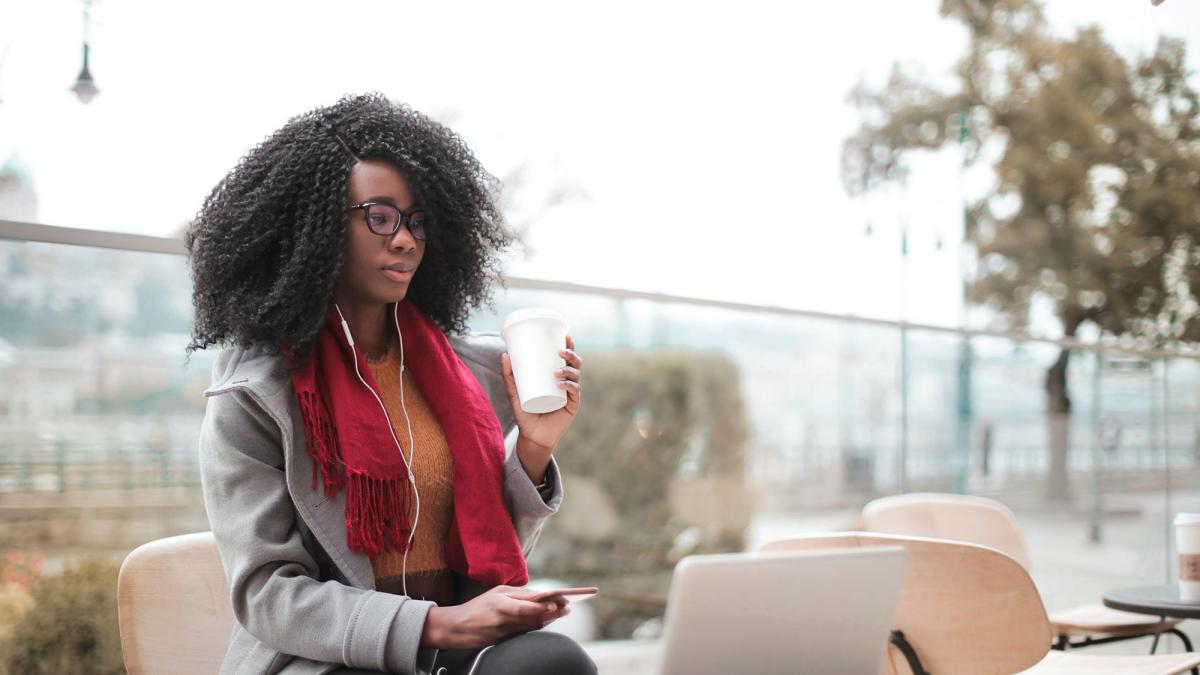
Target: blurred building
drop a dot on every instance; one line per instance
(18, 199)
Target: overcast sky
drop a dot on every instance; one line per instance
(702, 140)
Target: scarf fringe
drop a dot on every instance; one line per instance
(321, 436)
(376, 509)
(377, 514)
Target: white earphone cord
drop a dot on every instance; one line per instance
(408, 461)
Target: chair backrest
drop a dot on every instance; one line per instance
(173, 607)
(964, 608)
(976, 520)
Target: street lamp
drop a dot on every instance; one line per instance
(85, 86)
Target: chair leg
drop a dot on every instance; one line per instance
(1187, 644)
(1154, 645)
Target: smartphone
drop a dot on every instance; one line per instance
(580, 593)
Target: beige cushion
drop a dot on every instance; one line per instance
(977, 520)
(1098, 619)
(173, 607)
(1075, 663)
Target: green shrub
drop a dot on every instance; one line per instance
(654, 468)
(72, 627)
(19, 571)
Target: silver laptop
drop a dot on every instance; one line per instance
(825, 611)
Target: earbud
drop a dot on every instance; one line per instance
(345, 328)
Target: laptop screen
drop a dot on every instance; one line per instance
(824, 611)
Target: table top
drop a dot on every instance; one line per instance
(1161, 600)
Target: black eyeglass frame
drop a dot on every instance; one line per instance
(402, 218)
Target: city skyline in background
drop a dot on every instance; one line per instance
(682, 148)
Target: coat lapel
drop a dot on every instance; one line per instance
(324, 516)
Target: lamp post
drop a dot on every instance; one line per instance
(902, 287)
(964, 400)
(85, 86)
(965, 408)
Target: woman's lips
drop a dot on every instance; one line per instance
(398, 275)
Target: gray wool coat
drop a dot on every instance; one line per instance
(304, 602)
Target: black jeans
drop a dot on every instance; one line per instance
(536, 653)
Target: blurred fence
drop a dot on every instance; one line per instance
(100, 413)
(95, 391)
(72, 467)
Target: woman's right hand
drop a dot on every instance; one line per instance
(496, 615)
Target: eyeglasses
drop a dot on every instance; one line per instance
(385, 220)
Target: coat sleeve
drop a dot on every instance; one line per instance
(274, 580)
(529, 510)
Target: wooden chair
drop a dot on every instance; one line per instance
(983, 521)
(968, 609)
(173, 607)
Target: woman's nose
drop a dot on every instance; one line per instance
(402, 239)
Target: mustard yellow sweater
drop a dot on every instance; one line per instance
(433, 466)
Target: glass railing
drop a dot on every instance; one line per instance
(707, 426)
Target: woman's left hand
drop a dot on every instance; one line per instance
(543, 431)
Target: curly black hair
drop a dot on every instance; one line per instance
(267, 246)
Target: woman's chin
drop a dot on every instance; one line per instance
(393, 295)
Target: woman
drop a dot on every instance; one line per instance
(352, 454)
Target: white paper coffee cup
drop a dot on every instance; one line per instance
(533, 337)
(1187, 545)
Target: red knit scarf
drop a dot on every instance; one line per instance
(350, 440)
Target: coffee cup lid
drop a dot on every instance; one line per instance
(532, 313)
(1187, 519)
